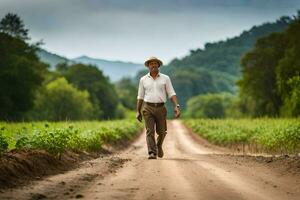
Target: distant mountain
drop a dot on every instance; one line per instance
(51, 58)
(114, 69)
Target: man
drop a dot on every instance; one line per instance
(153, 88)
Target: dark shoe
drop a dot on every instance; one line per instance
(152, 156)
(160, 152)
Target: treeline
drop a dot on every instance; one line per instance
(30, 91)
(225, 55)
(216, 67)
(269, 84)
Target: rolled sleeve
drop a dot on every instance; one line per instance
(169, 88)
(141, 90)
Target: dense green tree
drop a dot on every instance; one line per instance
(291, 105)
(103, 94)
(59, 100)
(288, 70)
(206, 106)
(211, 105)
(190, 82)
(12, 25)
(259, 77)
(21, 73)
(268, 85)
(127, 92)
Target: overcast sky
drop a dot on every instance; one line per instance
(131, 30)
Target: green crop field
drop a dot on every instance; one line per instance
(56, 137)
(257, 135)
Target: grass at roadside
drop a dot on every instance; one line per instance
(56, 137)
(257, 135)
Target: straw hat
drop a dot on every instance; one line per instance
(153, 59)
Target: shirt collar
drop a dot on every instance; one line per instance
(151, 76)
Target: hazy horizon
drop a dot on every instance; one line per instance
(131, 30)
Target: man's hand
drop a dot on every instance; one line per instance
(176, 112)
(139, 116)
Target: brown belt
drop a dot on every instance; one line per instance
(155, 104)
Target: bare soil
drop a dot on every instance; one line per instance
(190, 169)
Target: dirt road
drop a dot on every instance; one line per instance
(189, 170)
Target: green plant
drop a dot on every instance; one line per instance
(265, 134)
(3, 144)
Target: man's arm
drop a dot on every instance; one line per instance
(139, 105)
(172, 95)
(175, 105)
(138, 109)
(174, 100)
(140, 100)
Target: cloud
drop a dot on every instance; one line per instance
(132, 29)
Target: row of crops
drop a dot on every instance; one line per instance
(57, 137)
(256, 135)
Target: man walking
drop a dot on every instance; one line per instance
(152, 92)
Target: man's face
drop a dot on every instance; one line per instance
(153, 66)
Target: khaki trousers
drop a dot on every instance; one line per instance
(155, 120)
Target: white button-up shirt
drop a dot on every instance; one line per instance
(155, 90)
